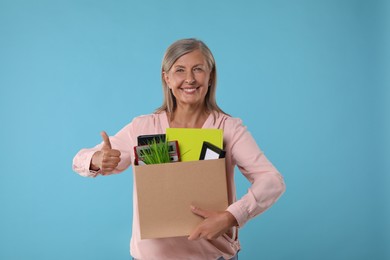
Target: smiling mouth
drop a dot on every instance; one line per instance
(189, 90)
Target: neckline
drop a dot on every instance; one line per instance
(165, 122)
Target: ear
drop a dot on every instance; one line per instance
(165, 77)
(210, 79)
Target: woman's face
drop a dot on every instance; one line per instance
(189, 79)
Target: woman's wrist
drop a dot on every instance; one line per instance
(231, 219)
(94, 165)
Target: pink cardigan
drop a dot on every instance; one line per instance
(267, 185)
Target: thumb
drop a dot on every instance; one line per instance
(200, 212)
(106, 141)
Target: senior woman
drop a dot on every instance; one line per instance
(189, 84)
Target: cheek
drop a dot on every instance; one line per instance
(204, 79)
(175, 80)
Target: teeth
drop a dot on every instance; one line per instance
(189, 90)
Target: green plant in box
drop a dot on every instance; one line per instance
(158, 152)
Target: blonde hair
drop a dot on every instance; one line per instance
(174, 52)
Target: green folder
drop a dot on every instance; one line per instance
(191, 140)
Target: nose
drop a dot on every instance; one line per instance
(190, 79)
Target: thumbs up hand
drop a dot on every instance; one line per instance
(106, 141)
(107, 159)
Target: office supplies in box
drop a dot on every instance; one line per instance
(191, 140)
(210, 151)
(141, 151)
(147, 139)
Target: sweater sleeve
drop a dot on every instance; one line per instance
(267, 183)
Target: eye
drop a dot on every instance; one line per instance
(198, 69)
(179, 70)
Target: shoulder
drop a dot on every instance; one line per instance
(233, 128)
(227, 122)
(144, 119)
(148, 118)
(147, 123)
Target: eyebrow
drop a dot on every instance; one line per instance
(181, 66)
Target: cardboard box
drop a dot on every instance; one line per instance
(166, 191)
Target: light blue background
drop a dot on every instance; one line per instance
(310, 79)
